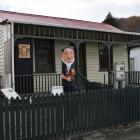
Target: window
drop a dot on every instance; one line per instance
(132, 64)
(104, 57)
(44, 56)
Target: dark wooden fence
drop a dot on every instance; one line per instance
(41, 117)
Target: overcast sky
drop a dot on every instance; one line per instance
(91, 10)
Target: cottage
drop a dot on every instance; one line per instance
(30, 48)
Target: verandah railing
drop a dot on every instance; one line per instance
(42, 83)
(131, 78)
(37, 83)
(45, 117)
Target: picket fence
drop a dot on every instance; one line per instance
(42, 117)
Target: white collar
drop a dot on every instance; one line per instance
(66, 62)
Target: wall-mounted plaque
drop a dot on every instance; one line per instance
(24, 50)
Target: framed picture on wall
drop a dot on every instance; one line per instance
(24, 50)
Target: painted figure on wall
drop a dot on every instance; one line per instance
(68, 69)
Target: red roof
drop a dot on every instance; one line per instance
(56, 21)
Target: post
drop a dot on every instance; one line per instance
(77, 54)
(77, 51)
(12, 56)
(128, 74)
(109, 64)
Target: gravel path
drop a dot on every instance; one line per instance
(122, 133)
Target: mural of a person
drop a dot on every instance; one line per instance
(68, 69)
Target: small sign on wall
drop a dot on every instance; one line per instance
(24, 50)
(57, 90)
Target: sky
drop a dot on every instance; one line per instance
(89, 10)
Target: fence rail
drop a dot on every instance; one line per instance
(46, 117)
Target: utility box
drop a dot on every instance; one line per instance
(119, 75)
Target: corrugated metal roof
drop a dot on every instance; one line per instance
(56, 21)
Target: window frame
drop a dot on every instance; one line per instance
(100, 44)
(51, 51)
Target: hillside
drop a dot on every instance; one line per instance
(131, 24)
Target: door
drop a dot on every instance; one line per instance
(23, 65)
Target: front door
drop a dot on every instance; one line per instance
(23, 66)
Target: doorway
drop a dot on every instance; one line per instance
(23, 60)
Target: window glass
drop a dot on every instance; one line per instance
(44, 56)
(104, 57)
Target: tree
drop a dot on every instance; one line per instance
(111, 20)
(130, 24)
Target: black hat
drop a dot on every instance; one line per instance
(71, 47)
